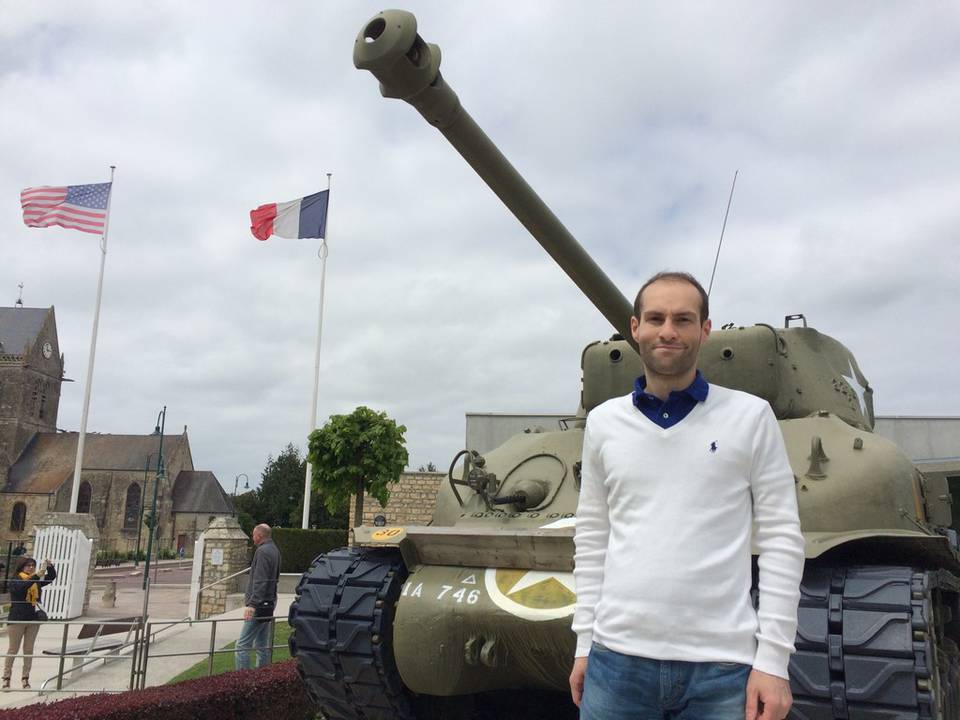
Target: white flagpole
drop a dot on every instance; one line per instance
(322, 253)
(75, 490)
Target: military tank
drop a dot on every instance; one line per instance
(482, 598)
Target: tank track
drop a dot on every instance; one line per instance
(876, 643)
(342, 621)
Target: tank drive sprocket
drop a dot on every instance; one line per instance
(876, 643)
(342, 622)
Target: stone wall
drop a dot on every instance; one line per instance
(37, 506)
(412, 499)
(190, 525)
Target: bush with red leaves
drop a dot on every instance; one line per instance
(271, 691)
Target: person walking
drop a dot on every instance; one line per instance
(260, 600)
(24, 590)
(674, 478)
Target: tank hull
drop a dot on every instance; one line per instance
(463, 630)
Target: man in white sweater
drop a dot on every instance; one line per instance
(674, 478)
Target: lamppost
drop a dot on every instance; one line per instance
(143, 494)
(246, 486)
(154, 524)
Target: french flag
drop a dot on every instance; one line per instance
(304, 217)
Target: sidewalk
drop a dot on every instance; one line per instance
(166, 603)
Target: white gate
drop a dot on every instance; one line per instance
(195, 577)
(69, 551)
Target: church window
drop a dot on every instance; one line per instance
(35, 397)
(43, 402)
(83, 498)
(18, 518)
(131, 513)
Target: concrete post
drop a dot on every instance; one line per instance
(225, 552)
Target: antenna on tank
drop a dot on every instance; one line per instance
(19, 302)
(720, 244)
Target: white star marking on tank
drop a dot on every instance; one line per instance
(859, 390)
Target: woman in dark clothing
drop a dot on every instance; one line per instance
(24, 589)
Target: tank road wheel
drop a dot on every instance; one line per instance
(342, 635)
(876, 643)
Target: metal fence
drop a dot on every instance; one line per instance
(137, 648)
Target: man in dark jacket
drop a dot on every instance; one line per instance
(260, 600)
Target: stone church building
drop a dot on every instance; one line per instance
(119, 472)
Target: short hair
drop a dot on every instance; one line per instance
(23, 562)
(264, 530)
(675, 276)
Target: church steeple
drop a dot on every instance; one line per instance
(31, 373)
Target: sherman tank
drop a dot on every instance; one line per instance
(482, 598)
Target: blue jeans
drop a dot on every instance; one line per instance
(255, 635)
(624, 687)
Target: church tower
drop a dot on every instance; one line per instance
(31, 372)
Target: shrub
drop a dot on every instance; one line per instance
(299, 547)
(271, 691)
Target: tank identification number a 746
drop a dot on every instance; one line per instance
(465, 591)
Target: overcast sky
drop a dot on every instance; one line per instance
(628, 118)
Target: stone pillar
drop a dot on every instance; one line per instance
(225, 552)
(87, 524)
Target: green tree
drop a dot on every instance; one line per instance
(356, 453)
(281, 488)
(320, 516)
(247, 507)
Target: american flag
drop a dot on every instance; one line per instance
(80, 207)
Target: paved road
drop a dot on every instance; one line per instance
(129, 577)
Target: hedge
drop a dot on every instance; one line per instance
(299, 547)
(271, 691)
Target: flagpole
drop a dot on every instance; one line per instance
(322, 253)
(75, 490)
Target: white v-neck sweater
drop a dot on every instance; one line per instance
(663, 536)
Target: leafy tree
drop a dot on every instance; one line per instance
(281, 488)
(362, 451)
(320, 516)
(247, 507)
(247, 503)
(279, 499)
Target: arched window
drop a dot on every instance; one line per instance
(83, 498)
(131, 512)
(18, 519)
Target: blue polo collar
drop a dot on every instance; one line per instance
(669, 412)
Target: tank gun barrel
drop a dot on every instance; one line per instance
(409, 69)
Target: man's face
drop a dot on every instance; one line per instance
(257, 537)
(668, 331)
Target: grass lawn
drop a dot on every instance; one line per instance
(224, 662)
